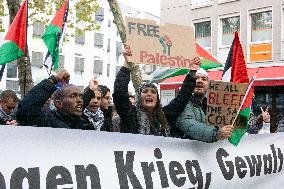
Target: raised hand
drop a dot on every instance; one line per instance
(93, 84)
(127, 51)
(265, 115)
(196, 63)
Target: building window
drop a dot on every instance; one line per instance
(61, 61)
(37, 59)
(226, 1)
(261, 36)
(79, 64)
(229, 27)
(117, 68)
(80, 39)
(99, 16)
(261, 26)
(203, 33)
(118, 51)
(200, 3)
(108, 70)
(99, 40)
(12, 85)
(98, 66)
(282, 33)
(108, 45)
(12, 71)
(38, 29)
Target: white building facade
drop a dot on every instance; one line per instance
(94, 53)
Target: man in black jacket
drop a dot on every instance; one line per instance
(67, 100)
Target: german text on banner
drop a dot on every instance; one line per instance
(60, 158)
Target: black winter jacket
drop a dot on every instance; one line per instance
(29, 111)
(128, 113)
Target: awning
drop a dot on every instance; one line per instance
(267, 76)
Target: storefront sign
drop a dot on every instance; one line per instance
(224, 100)
(260, 52)
(166, 45)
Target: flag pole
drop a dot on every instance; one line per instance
(246, 95)
(26, 50)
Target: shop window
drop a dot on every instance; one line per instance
(229, 27)
(203, 33)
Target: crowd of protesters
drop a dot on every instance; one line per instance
(55, 103)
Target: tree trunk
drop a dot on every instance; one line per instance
(118, 21)
(24, 69)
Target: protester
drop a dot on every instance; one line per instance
(115, 120)
(67, 100)
(92, 97)
(106, 108)
(260, 124)
(191, 123)
(8, 102)
(148, 117)
(280, 126)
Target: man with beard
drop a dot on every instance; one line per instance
(191, 123)
(67, 100)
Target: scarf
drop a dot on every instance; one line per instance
(4, 116)
(96, 118)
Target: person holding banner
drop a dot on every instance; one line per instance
(191, 123)
(148, 117)
(67, 100)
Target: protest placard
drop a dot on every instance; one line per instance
(164, 45)
(224, 100)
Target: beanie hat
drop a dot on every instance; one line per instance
(203, 72)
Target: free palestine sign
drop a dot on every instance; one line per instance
(164, 45)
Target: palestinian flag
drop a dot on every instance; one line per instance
(15, 43)
(236, 71)
(207, 62)
(53, 34)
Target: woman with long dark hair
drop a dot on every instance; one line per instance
(148, 116)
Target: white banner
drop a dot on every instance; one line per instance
(49, 158)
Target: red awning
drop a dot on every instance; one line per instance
(268, 76)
